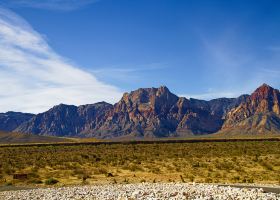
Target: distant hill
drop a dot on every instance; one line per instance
(156, 113)
(13, 138)
(66, 120)
(9, 121)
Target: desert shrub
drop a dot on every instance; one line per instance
(133, 168)
(236, 178)
(51, 181)
(191, 178)
(182, 178)
(208, 180)
(217, 175)
(196, 164)
(8, 170)
(210, 168)
(35, 181)
(110, 175)
(126, 180)
(250, 180)
(225, 165)
(9, 183)
(155, 170)
(33, 175)
(266, 165)
(100, 170)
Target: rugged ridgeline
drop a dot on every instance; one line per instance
(156, 112)
(149, 112)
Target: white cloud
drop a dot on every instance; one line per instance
(64, 5)
(33, 77)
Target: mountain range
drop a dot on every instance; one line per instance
(155, 112)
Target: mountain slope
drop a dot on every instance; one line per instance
(259, 114)
(13, 138)
(11, 120)
(65, 120)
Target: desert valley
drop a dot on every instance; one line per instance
(139, 100)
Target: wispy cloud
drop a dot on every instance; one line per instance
(33, 77)
(63, 5)
(139, 68)
(210, 96)
(125, 73)
(241, 66)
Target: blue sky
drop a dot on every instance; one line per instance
(197, 48)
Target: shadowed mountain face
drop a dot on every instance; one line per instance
(11, 120)
(65, 120)
(156, 112)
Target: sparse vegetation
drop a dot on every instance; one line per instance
(213, 162)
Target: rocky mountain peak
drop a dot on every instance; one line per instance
(149, 96)
(259, 110)
(265, 99)
(62, 107)
(264, 86)
(163, 90)
(263, 92)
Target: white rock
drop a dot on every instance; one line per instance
(148, 191)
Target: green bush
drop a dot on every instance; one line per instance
(51, 181)
(8, 184)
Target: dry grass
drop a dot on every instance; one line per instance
(218, 162)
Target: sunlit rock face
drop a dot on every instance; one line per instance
(259, 113)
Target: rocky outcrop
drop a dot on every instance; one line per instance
(144, 112)
(11, 120)
(259, 114)
(156, 112)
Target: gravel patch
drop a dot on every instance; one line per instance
(149, 191)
